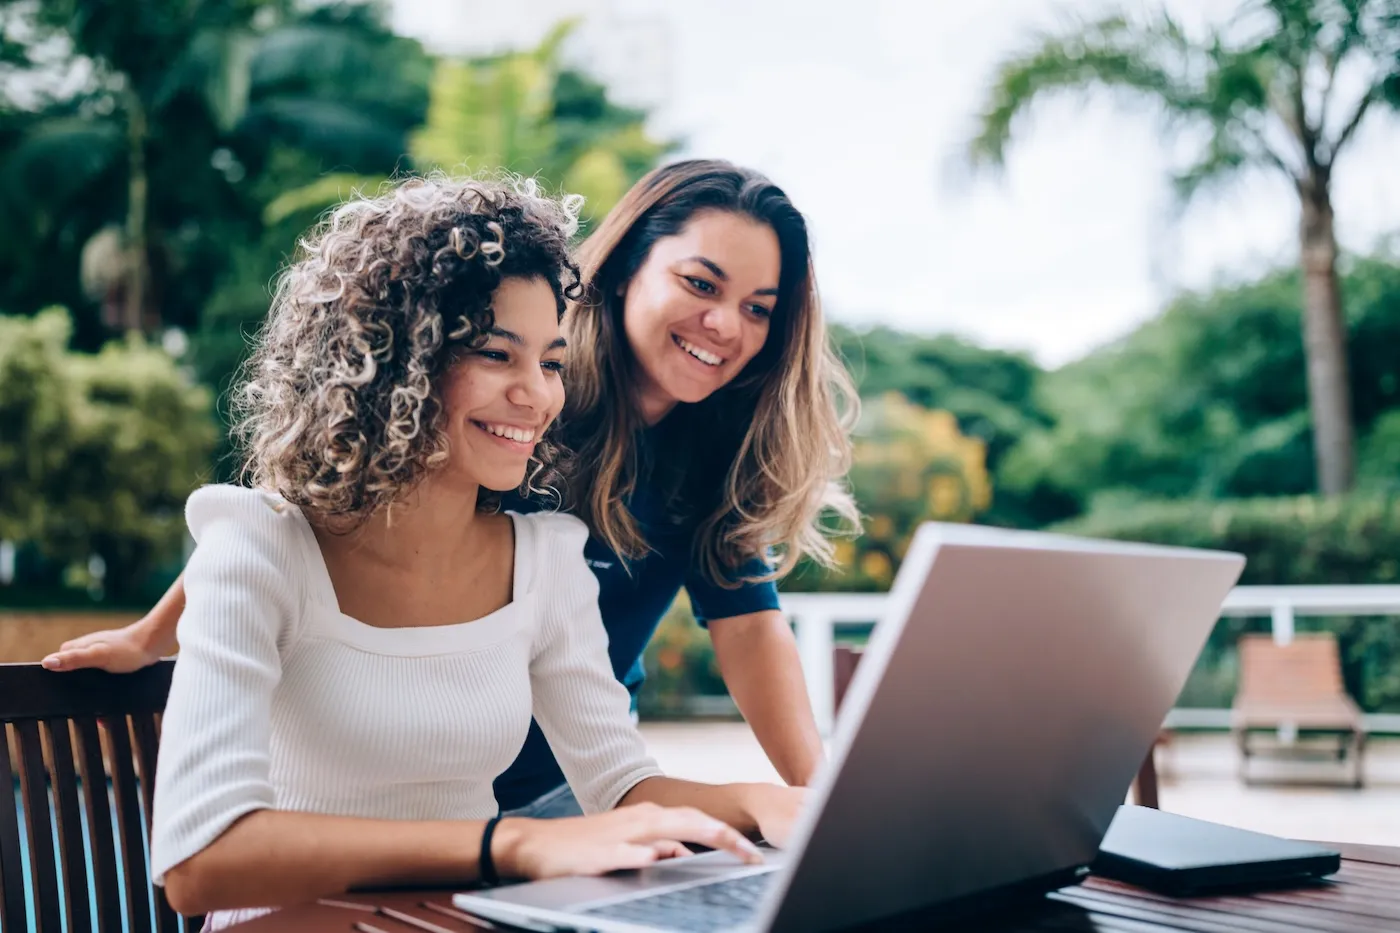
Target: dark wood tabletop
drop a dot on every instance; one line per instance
(1363, 896)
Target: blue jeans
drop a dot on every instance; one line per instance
(552, 805)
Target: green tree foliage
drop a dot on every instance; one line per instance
(1210, 399)
(1260, 93)
(521, 111)
(912, 465)
(98, 452)
(992, 393)
(155, 132)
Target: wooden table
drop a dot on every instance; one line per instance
(1363, 896)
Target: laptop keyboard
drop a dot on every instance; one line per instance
(705, 908)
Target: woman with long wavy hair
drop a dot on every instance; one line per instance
(708, 421)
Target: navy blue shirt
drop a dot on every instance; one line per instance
(632, 605)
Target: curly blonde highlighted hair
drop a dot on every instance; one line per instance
(340, 411)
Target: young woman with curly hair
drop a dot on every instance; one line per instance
(366, 636)
(709, 420)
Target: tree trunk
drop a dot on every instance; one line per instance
(1324, 339)
(137, 187)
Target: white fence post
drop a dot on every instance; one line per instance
(815, 643)
(1282, 619)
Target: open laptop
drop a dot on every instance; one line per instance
(1002, 707)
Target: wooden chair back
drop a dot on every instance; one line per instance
(66, 736)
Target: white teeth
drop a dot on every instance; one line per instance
(704, 356)
(510, 433)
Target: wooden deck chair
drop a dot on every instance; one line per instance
(844, 663)
(1296, 691)
(64, 737)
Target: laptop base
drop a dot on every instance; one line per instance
(987, 908)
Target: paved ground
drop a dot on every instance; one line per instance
(1198, 779)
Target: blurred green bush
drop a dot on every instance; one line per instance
(680, 666)
(98, 453)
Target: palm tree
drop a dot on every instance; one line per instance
(195, 97)
(1266, 91)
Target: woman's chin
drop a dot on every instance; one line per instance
(504, 483)
(690, 392)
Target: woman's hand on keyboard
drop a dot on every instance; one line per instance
(628, 837)
(775, 809)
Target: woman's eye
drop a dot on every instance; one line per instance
(762, 311)
(554, 366)
(700, 285)
(498, 356)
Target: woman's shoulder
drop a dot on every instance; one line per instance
(552, 532)
(549, 552)
(249, 515)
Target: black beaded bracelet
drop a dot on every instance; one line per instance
(486, 867)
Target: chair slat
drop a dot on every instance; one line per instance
(143, 726)
(70, 827)
(133, 846)
(147, 745)
(99, 816)
(12, 907)
(34, 789)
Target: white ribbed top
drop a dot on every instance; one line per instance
(279, 700)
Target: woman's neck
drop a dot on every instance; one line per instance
(432, 559)
(428, 530)
(652, 404)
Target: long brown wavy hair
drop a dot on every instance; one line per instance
(760, 464)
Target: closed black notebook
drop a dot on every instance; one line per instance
(1181, 856)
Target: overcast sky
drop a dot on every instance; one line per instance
(860, 110)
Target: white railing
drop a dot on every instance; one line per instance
(816, 615)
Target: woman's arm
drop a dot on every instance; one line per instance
(758, 660)
(584, 711)
(123, 650)
(273, 858)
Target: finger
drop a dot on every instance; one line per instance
(82, 641)
(95, 655)
(624, 856)
(669, 848)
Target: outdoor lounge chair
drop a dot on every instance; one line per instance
(1295, 691)
(64, 735)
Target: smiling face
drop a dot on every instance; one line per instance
(698, 309)
(500, 398)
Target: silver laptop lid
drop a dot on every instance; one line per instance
(997, 718)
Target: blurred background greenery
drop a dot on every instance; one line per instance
(158, 160)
